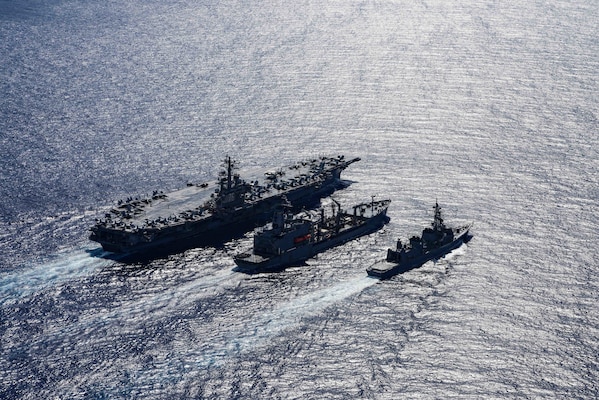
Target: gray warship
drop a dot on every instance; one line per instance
(434, 243)
(291, 240)
(204, 214)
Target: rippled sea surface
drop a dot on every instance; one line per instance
(490, 107)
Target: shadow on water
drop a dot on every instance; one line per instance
(276, 270)
(467, 238)
(164, 253)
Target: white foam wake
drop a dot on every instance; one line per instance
(256, 333)
(252, 334)
(59, 268)
(155, 305)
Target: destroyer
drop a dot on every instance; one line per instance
(290, 240)
(434, 243)
(205, 214)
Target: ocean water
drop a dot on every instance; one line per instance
(489, 107)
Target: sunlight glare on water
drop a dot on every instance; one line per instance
(490, 108)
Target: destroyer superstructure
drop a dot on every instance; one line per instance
(290, 240)
(203, 214)
(434, 243)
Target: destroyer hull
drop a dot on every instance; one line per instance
(385, 269)
(251, 263)
(214, 230)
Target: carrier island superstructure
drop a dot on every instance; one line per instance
(203, 214)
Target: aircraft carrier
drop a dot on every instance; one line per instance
(206, 214)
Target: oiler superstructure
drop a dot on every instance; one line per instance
(204, 214)
(434, 243)
(291, 240)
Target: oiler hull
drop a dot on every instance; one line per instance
(384, 269)
(252, 263)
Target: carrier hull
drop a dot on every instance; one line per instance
(211, 215)
(212, 231)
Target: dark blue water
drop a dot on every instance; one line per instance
(490, 108)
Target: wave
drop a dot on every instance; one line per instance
(26, 280)
(258, 332)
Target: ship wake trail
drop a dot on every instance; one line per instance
(256, 333)
(219, 347)
(151, 307)
(59, 268)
